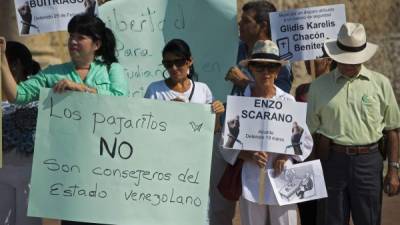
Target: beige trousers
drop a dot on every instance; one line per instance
(255, 214)
(14, 189)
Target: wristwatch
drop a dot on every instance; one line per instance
(395, 165)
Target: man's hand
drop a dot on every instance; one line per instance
(391, 183)
(237, 77)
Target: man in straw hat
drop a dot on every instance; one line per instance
(258, 203)
(350, 108)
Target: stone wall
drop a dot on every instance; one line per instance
(47, 49)
(379, 17)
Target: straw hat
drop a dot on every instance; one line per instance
(264, 51)
(351, 46)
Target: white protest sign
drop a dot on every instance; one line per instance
(299, 183)
(261, 124)
(41, 16)
(300, 33)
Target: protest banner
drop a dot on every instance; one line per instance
(261, 124)
(143, 27)
(121, 160)
(300, 33)
(41, 16)
(299, 183)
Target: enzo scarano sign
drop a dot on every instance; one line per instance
(270, 125)
(300, 33)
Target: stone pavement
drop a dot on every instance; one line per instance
(390, 211)
(390, 215)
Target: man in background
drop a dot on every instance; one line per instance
(254, 25)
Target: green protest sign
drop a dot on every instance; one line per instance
(121, 160)
(143, 27)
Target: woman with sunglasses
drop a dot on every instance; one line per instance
(180, 86)
(264, 65)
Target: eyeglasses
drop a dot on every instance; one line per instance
(177, 62)
(261, 67)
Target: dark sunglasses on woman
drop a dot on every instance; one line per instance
(262, 66)
(170, 63)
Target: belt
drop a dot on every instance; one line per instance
(355, 149)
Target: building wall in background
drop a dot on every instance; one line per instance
(380, 20)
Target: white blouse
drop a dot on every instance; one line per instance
(251, 171)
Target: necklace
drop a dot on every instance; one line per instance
(82, 68)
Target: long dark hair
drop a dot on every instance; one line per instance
(93, 27)
(181, 49)
(18, 51)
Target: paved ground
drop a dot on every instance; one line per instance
(390, 211)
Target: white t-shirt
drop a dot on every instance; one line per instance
(159, 90)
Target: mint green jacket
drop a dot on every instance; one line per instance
(107, 82)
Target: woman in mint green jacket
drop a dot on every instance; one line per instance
(93, 67)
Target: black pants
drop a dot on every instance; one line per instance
(354, 184)
(308, 212)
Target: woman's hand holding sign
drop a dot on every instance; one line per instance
(68, 85)
(259, 158)
(279, 164)
(218, 107)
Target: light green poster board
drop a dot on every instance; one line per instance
(121, 160)
(143, 27)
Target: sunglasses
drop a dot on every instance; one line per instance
(261, 67)
(177, 62)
